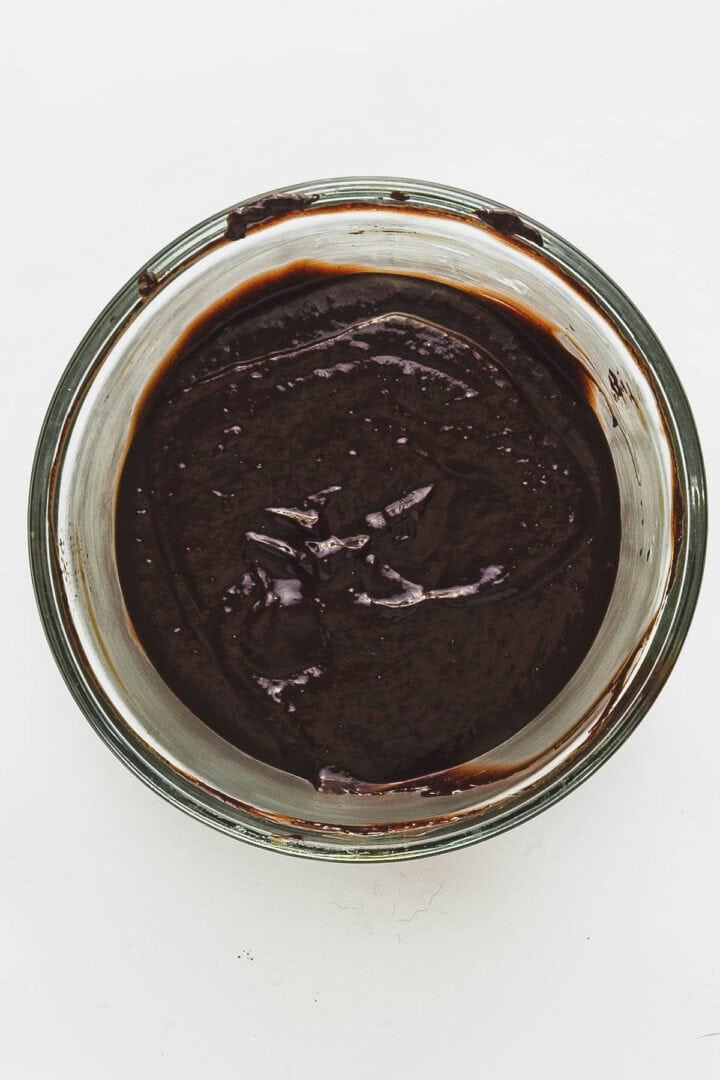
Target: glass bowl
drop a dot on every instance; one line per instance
(400, 226)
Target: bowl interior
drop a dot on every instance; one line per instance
(461, 252)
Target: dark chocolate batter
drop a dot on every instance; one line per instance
(367, 523)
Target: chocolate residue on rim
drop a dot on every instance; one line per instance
(509, 223)
(148, 282)
(274, 206)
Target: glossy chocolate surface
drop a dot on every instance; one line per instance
(367, 523)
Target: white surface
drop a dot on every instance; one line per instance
(136, 943)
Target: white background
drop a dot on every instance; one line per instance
(137, 943)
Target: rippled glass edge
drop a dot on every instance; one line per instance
(670, 630)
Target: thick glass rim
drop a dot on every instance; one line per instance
(670, 630)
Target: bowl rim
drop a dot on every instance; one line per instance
(671, 627)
